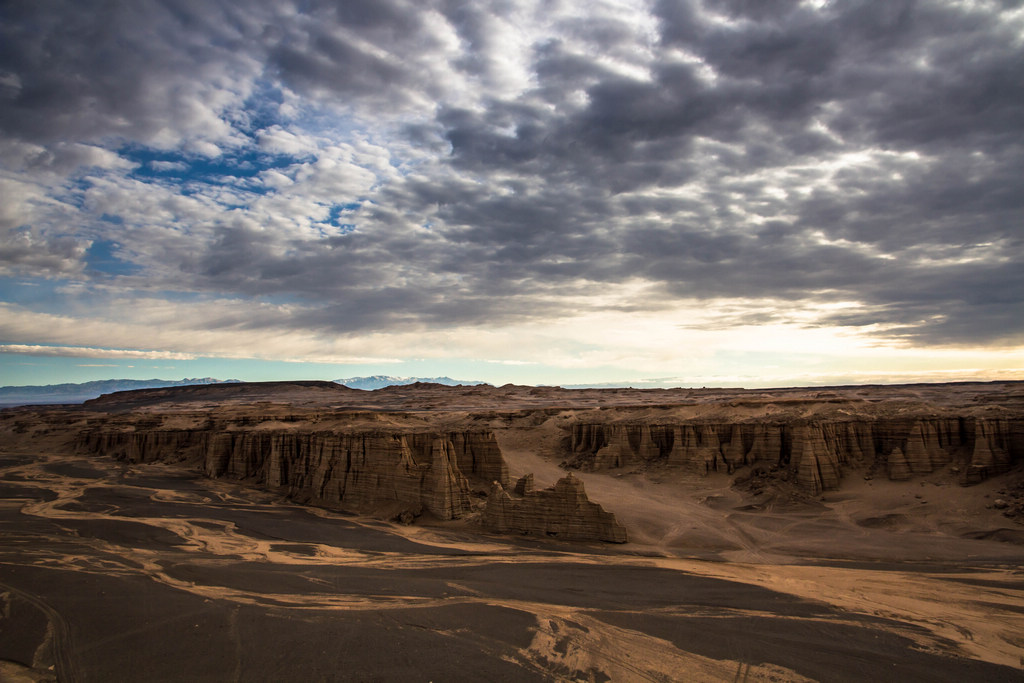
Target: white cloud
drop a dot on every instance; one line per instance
(204, 148)
(88, 352)
(168, 165)
(278, 140)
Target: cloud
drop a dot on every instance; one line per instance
(85, 352)
(404, 169)
(168, 166)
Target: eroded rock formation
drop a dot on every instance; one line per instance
(365, 471)
(563, 511)
(815, 452)
(356, 471)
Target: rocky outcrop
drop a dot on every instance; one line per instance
(814, 452)
(563, 511)
(524, 485)
(995, 447)
(478, 455)
(357, 471)
(817, 466)
(898, 467)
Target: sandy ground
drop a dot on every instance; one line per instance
(110, 572)
(148, 572)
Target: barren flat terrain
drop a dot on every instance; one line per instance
(138, 567)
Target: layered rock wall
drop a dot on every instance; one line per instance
(814, 452)
(563, 511)
(348, 470)
(477, 454)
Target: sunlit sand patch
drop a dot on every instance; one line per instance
(580, 647)
(13, 672)
(948, 611)
(167, 496)
(423, 535)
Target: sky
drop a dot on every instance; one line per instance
(665, 192)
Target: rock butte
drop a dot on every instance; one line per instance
(562, 510)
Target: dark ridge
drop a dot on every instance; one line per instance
(69, 393)
(214, 392)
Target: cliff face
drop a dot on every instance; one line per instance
(814, 452)
(477, 454)
(563, 511)
(348, 470)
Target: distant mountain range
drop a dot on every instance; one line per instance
(77, 393)
(381, 381)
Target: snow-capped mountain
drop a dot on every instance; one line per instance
(381, 381)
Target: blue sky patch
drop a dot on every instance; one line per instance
(243, 163)
(339, 213)
(102, 257)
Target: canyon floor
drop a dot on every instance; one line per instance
(129, 571)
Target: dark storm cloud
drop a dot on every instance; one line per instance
(88, 69)
(85, 70)
(939, 81)
(867, 152)
(328, 50)
(951, 304)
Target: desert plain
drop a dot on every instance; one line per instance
(212, 534)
